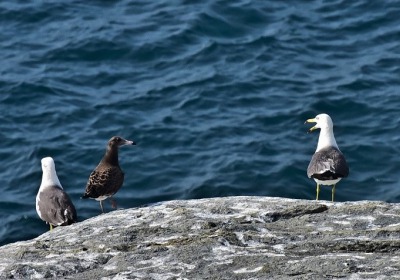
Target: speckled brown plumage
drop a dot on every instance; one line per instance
(104, 181)
(107, 178)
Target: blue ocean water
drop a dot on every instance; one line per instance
(215, 93)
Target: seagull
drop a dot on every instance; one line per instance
(107, 178)
(53, 204)
(328, 165)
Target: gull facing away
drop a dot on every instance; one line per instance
(107, 178)
(53, 204)
(328, 165)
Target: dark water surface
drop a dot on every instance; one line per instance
(215, 93)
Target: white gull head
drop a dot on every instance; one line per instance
(326, 137)
(49, 177)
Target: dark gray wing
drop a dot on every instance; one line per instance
(56, 207)
(328, 164)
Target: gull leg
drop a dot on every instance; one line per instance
(101, 206)
(317, 191)
(113, 203)
(51, 227)
(333, 192)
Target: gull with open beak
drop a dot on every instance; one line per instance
(328, 165)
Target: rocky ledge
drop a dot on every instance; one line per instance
(219, 238)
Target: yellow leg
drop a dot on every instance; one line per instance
(333, 193)
(51, 227)
(317, 191)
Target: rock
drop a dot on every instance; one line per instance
(218, 238)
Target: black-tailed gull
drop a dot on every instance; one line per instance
(328, 165)
(53, 204)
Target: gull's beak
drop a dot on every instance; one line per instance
(128, 142)
(312, 121)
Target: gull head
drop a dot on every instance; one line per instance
(323, 121)
(48, 164)
(49, 176)
(117, 141)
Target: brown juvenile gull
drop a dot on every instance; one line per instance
(328, 165)
(53, 204)
(107, 178)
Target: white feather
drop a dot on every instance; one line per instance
(326, 137)
(49, 176)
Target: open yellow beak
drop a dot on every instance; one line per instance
(312, 121)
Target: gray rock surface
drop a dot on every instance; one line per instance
(219, 238)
